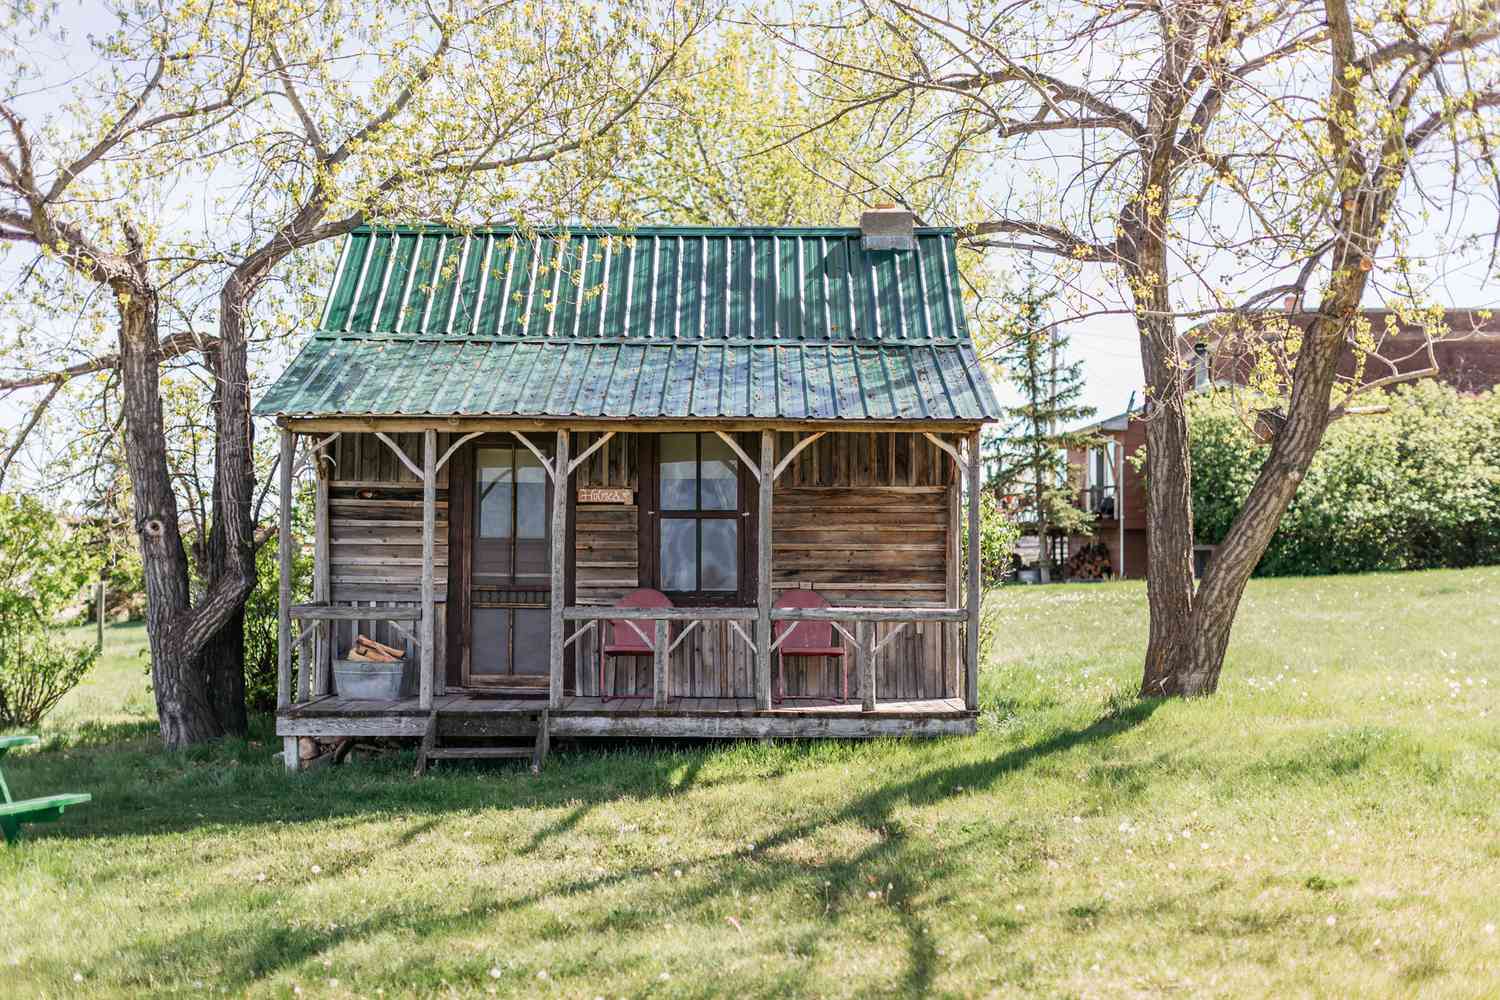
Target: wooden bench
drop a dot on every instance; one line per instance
(40, 810)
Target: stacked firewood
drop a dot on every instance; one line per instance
(365, 648)
(1091, 562)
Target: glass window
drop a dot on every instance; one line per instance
(699, 492)
(679, 553)
(496, 483)
(531, 495)
(678, 458)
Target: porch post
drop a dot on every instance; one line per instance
(864, 665)
(763, 573)
(284, 591)
(971, 678)
(560, 462)
(325, 638)
(429, 530)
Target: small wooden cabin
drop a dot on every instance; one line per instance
(512, 431)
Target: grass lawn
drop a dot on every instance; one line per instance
(1328, 825)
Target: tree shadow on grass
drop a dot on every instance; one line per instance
(897, 866)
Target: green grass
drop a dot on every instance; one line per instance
(1325, 826)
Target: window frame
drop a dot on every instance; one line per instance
(652, 514)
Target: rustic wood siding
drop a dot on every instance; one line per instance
(375, 535)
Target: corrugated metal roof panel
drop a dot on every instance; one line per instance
(648, 323)
(571, 379)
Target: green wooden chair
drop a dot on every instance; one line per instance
(42, 810)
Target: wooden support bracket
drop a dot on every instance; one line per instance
(784, 636)
(587, 628)
(312, 453)
(551, 471)
(753, 467)
(415, 469)
(891, 635)
(797, 449)
(587, 452)
(741, 633)
(681, 636)
(457, 445)
(637, 630)
(953, 452)
(844, 632)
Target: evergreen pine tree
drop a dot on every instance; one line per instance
(1028, 461)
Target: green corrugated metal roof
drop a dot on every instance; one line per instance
(646, 323)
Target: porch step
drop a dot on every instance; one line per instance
(479, 753)
(432, 750)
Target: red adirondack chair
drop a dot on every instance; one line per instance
(807, 638)
(622, 640)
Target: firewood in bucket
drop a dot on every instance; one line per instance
(367, 650)
(371, 646)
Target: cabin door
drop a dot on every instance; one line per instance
(510, 574)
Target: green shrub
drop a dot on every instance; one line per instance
(998, 534)
(36, 670)
(43, 572)
(1414, 487)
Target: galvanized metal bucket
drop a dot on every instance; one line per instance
(373, 681)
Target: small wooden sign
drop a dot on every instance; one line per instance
(606, 494)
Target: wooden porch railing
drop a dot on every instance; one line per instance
(661, 648)
(861, 639)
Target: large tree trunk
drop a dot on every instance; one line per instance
(224, 670)
(1169, 498)
(1197, 662)
(229, 566)
(182, 703)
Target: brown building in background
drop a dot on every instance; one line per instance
(1110, 487)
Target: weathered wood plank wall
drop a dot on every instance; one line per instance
(375, 537)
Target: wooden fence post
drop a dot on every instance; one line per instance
(763, 573)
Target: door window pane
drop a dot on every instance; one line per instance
(678, 455)
(720, 554)
(489, 652)
(679, 554)
(720, 472)
(531, 496)
(496, 491)
(532, 625)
